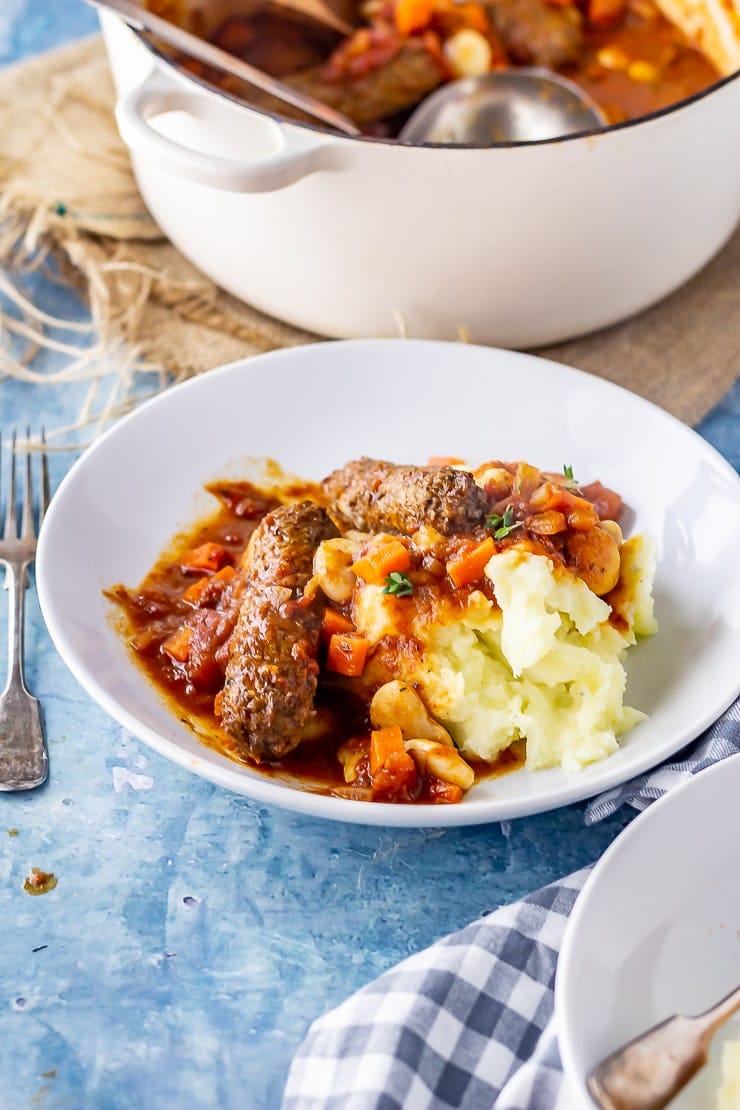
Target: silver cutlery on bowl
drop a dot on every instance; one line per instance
(24, 761)
(143, 20)
(648, 1073)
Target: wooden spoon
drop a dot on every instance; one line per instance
(649, 1071)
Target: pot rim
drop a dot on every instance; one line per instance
(669, 110)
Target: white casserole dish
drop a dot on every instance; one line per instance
(519, 246)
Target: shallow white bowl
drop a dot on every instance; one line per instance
(313, 408)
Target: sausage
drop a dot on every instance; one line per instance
(399, 83)
(271, 674)
(534, 32)
(380, 496)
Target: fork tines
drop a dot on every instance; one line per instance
(27, 526)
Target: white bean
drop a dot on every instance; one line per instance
(331, 568)
(395, 703)
(443, 762)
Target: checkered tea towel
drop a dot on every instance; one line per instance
(469, 1021)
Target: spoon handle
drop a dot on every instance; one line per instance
(712, 1018)
(206, 52)
(649, 1071)
(320, 12)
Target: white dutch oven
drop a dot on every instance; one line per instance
(520, 246)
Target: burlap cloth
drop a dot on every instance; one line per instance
(68, 202)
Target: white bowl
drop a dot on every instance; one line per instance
(656, 932)
(313, 408)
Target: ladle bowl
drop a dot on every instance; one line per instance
(519, 105)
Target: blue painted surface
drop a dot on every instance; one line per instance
(194, 935)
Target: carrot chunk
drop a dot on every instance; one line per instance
(550, 496)
(177, 645)
(412, 15)
(347, 654)
(392, 770)
(380, 561)
(332, 622)
(443, 793)
(209, 556)
(547, 524)
(473, 15)
(210, 586)
(384, 742)
(468, 566)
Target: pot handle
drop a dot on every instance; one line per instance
(296, 154)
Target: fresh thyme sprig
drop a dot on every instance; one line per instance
(398, 584)
(503, 525)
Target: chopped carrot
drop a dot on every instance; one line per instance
(380, 561)
(471, 14)
(443, 793)
(551, 496)
(347, 654)
(468, 566)
(396, 780)
(195, 593)
(583, 520)
(209, 556)
(392, 770)
(177, 645)
(445, 460)
(384, 743)
(547, 524)
(332, 622)
(412, 15)
(199, 590)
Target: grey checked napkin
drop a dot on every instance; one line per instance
(469, 1021)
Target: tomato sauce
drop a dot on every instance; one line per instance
(154, 610)
(640, 66)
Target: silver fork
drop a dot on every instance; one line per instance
(24, 761)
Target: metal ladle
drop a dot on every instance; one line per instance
(522, 104)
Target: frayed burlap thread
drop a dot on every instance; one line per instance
(69, 205)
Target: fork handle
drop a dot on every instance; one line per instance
(24, 762)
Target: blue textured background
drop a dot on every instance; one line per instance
(193, 935)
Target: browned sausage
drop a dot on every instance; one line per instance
(380, 496)
(399, 83)
(271, 675)
(534, 32)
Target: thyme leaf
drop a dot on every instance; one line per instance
(398, 584)
(503, 525)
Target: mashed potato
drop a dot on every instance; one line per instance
(728, 1096)
(543, 664)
